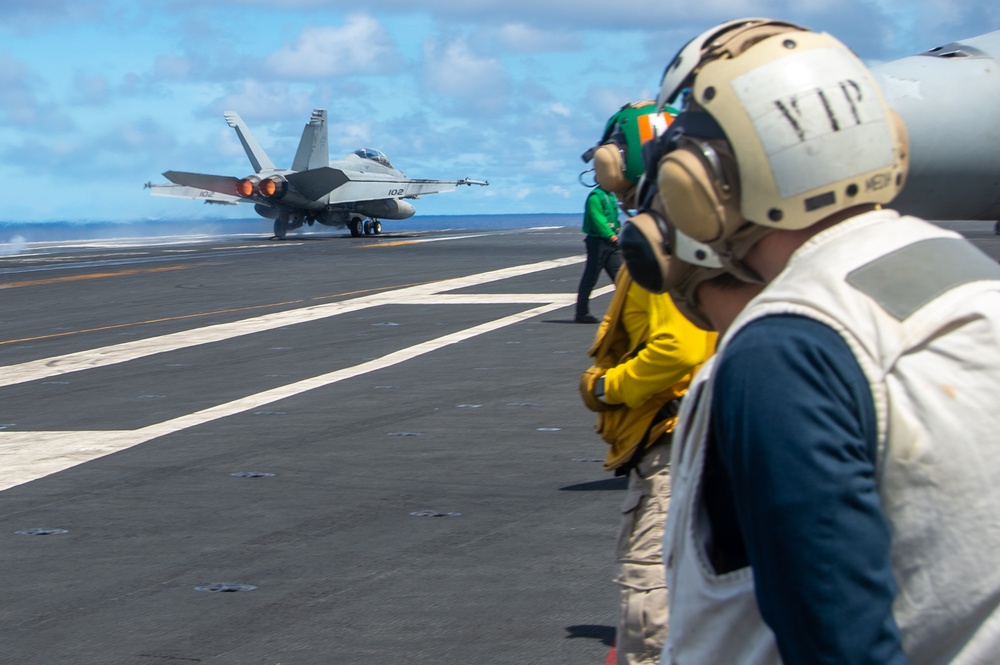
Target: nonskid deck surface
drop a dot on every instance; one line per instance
(324, 450)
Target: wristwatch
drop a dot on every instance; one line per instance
(599, 389)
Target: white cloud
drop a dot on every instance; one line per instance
(360, 46)
(173, 67)
(530, 39)
(92, 89)
(21, 104)
(607, 100)
(352, 134)
(559, 109)
(43, 15)
(456, 71)
(544, 166)
(507, 90)
(263, 101)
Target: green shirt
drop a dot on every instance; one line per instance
(600, 215)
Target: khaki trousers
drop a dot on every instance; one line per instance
(642, 622)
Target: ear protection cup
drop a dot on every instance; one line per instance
(686, 192)
(643, 244)
(698, 191)
(609, 170)
(648, 256)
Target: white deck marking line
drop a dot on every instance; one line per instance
(34, 248)
(417, 241)
(44, 368)
(27, 456)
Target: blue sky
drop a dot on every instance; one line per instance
(98, 97)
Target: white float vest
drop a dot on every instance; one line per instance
(920, 309)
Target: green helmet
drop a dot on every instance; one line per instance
(618, 157)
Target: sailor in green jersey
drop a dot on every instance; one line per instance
(600, 223)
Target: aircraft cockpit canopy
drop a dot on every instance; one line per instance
(374, 155)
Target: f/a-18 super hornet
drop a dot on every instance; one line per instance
(357, 191)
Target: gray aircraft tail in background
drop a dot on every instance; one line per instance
(949, 98)
(356, 191)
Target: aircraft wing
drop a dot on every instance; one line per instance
(349, 187)
(334, 185)
(185, 192)
(223, 184)
(416, 188)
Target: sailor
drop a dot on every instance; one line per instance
(617, 167)
(837, 474)
(600, 226)
(645, 354)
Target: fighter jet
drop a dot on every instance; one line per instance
(357, 191)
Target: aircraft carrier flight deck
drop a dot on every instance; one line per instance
(326, 450)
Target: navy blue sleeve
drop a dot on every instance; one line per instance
(794, 423)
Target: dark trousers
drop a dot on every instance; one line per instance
(602, 254)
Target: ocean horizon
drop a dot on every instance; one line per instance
(48, 231)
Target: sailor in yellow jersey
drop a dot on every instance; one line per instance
(645, 355)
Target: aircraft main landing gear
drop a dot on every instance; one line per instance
(359, 226)
(284, 223)
(280, 227)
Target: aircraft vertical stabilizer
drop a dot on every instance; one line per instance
(258, 158)
(313, 152)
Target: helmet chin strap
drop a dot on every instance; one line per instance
(732, 252)
(627, 198)
(685, 296)
(735, 248)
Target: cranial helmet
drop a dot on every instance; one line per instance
(618, 157)
(781, 128)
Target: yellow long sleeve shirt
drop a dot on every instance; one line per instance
(647, 353)
(674, 349)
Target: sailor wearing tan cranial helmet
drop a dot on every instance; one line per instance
(781, 128)
(843, 437)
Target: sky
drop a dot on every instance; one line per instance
(98, 97)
